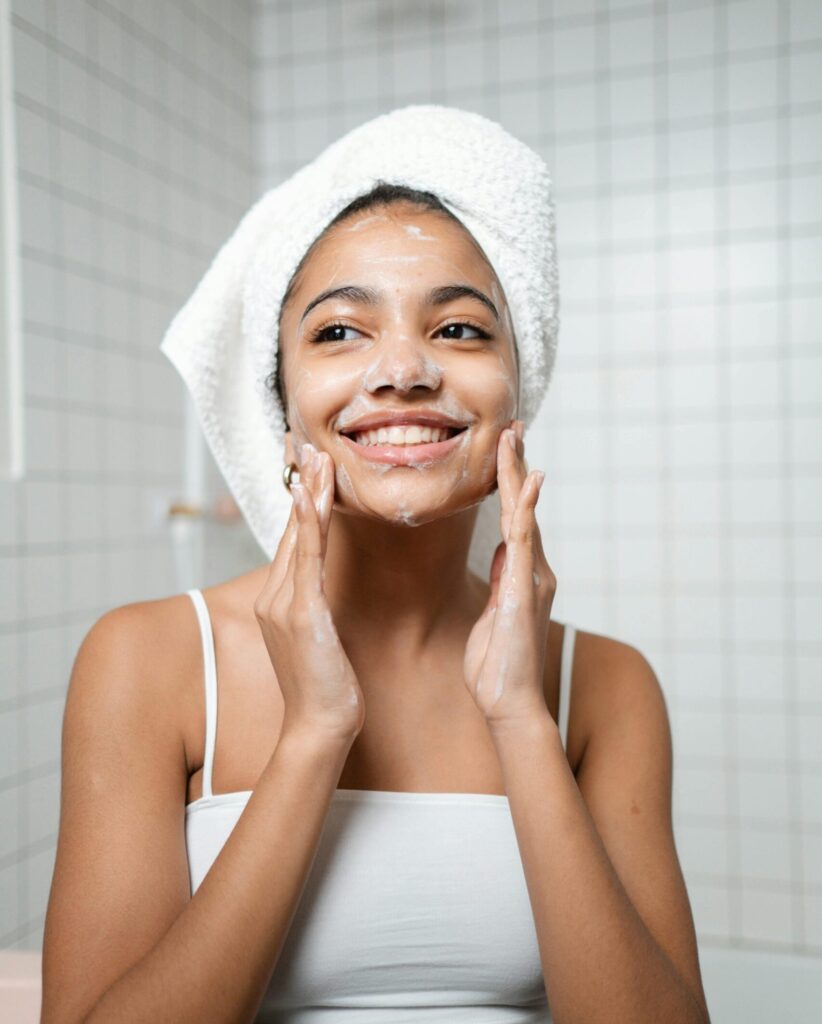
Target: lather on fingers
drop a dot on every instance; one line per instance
(511, 473)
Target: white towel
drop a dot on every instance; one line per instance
(223, 341)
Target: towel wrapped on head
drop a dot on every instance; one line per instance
(224, 340)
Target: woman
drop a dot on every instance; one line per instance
(386, 826)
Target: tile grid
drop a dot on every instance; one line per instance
(726, 653)
(125, 199)
(793, 773)
(705, 138)
(740, 793)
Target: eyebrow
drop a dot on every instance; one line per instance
(372, 297)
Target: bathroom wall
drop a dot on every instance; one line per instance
(681, 437)
(135, 163)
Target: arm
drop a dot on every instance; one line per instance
(124, 938)
(613, 921)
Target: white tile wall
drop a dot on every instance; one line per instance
(683, 433)
(135, 162)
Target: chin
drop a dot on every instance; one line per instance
(412, 513)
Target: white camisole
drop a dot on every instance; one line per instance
(415, 908)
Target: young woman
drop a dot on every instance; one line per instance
(401, 815)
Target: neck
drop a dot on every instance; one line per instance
(405, 584)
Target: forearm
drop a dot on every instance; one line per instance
(216, 960)
(600, 962)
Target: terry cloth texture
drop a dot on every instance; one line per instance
(223, 342)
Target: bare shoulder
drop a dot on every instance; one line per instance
(132, 679)
(141, 654)
(122, 794)
(613, 682)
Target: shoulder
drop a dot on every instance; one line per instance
(614, 686)
(146, 638)
(134, 666)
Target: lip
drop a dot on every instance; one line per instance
(407, 454)
(423, 417)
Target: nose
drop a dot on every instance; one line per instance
(402, 363)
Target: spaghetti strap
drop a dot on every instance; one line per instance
(566, 666)
(210, 664)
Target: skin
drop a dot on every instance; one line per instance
(395, 567)
(386, 569)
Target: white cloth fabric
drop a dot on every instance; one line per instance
(224, 339)
(415, 909)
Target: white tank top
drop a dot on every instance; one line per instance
(415, 908)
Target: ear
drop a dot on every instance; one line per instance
(289, 448)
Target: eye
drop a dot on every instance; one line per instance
(461, 325)
(323, 333)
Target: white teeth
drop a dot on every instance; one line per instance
(405, 435)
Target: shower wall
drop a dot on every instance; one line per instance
(135, 163)
(681, 436)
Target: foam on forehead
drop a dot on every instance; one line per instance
(362, 211)
(223, 341)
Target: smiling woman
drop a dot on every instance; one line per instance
(398, 342)
(403, 815)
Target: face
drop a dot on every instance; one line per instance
(400, 340)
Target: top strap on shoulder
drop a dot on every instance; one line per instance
(566, 666)
(210, 673)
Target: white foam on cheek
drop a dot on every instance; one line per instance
(304, 382)
(345, 485)
(508, 380)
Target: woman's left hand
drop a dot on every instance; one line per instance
(505, 653)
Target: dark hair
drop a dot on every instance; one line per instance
(382, 194)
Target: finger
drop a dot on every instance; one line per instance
(523, 522)
(325, 495)
(521, 462)
(320, 482)
(497, 566)
(308, 557)
(278, 568)
(283, 558)
(506, 498)
(517, 577)
(510, 475)
(330, 483)
(309, 475)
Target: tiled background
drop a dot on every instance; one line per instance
(681, 437)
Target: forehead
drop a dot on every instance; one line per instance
(398, 238)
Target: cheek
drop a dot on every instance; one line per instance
(314, 397)
(494, 392)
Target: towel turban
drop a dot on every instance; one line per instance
(223, 342)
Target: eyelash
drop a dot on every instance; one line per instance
(315, 335)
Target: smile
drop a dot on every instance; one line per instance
(406, 445)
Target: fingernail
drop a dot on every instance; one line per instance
(540, 478)
(520, 428)
(512, 439)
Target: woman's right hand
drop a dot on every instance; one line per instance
(318, 683)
